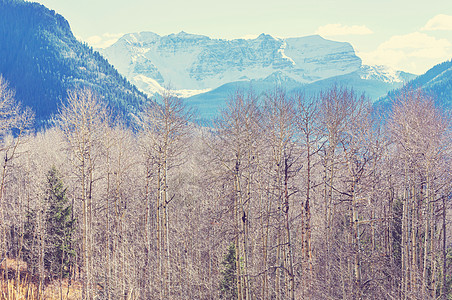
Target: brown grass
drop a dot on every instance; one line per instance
(30, 288)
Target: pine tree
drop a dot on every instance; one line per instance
(228, 284)
(448, 272)
(30, 247)
(60, 227)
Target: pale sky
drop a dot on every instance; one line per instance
(408, 35)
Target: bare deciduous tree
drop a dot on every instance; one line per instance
(165, 128)
(83, 120)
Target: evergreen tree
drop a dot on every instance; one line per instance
(31, 244)
(228, 284)
(60, 227)
(448, 283)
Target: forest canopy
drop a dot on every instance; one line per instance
(284, 197)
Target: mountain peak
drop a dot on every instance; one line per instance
(384, 74)
(186, 36)
(264, 36)
(183, 34)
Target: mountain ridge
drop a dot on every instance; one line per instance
(364, 80)
(205, 70)
(196, 62)
(435, 82)
(41, 59)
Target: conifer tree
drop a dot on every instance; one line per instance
(60, 227)
(228, 284)
(30, 248)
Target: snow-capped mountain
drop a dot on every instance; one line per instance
(193, 64)
(384, 74)
(205, 71)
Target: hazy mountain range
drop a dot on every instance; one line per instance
(206, 71)
(194, 62)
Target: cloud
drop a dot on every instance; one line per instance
(415, 40)
(103, 41)
(439, 22)
(414, 52)
(339, 29)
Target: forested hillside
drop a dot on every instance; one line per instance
(42, 59)
(437, 82)
(283, 198)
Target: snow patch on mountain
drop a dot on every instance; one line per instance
(152, 87)
(281, 51)
(381, 73)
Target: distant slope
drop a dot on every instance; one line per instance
(436, 82)
(210, 103)
(373, 81)
(41, 59)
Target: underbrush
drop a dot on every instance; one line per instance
(16, 283)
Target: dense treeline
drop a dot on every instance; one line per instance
(285, 197)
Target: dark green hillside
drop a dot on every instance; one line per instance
(41, 59)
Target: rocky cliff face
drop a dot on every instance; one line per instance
(195, 63)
